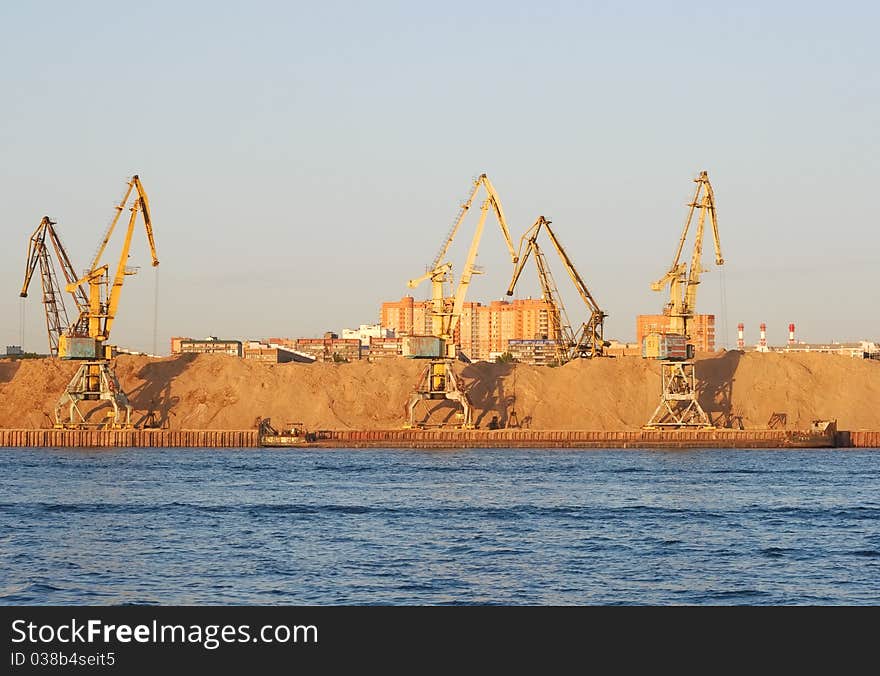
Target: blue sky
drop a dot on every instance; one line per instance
(304, 160)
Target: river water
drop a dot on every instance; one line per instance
(439, 527)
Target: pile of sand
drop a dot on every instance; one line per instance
(221, 392)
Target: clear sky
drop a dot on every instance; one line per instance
(303, 160)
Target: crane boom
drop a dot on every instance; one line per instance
(57, 322)
(481, 180)
(53, 301)
(579, 283)
(559, 331)
(140, 204)
(79, 297)
(469, 269)
(682, 281)
(589, 341)
(559, 326)
(36, 251)
(495, 201)
(558, 322)
(445, 319)
(133, 184)
(98, 313)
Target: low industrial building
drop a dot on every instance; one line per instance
(367, 332)
(273, 355)
(539, 352)
(176, 341)
(211, 345)
(330, 349)
(863, 349)
(619, 349)
(383, 348)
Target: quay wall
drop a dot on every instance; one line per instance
(52, 438)
(721, 438)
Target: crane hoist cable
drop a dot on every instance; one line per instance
(155, 311)
(21, 320)
(724, 318)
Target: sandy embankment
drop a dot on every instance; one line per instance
(220, 392)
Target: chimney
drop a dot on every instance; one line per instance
(740, 341)
(790, 335)
(762, 344)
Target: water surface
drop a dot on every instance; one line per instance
(178, 526)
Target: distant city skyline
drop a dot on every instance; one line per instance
(304, 161)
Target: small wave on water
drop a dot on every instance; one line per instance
(470, 527)
(27, 593)
(746, 595)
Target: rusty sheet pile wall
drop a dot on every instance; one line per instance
(859, 439)
(50, 438)
(129, 438)
(576, 439)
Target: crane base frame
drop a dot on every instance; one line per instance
(438, 381)
(93, 381)
(678, 407)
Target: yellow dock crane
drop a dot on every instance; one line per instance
(678, 406)
(589, 340)
(96, 296)
(438, 380)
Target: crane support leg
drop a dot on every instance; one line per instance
(438, 381)
(93, 381)
(678, 406)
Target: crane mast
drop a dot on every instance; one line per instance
(439, 276)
